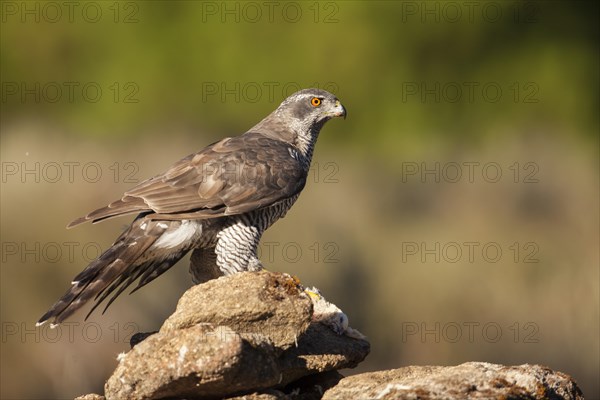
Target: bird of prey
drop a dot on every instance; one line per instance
(218, 202)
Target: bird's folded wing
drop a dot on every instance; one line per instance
(232, 176)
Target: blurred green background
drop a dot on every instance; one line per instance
(454, 215)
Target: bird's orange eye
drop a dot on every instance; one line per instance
(315, 101)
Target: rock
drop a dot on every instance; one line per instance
(472, 380)
(196, 361)
(319, 350)
(266, 395)
(310, 387)
(91, 396)
(246, 333)
(261, 303)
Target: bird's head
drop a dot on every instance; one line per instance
(311, 106)
(305, 113)
(300, 117)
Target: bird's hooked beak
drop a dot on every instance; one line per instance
(339, 110)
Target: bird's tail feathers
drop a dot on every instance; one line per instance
(116, 268)
(86, 284)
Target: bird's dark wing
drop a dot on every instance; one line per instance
(232, 176)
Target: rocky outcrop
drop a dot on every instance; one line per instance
(472, 380)
(235, 335)
(261, 335)
(262, 305)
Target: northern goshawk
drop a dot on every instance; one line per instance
(217, 202)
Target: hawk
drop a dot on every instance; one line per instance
(216, 202)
